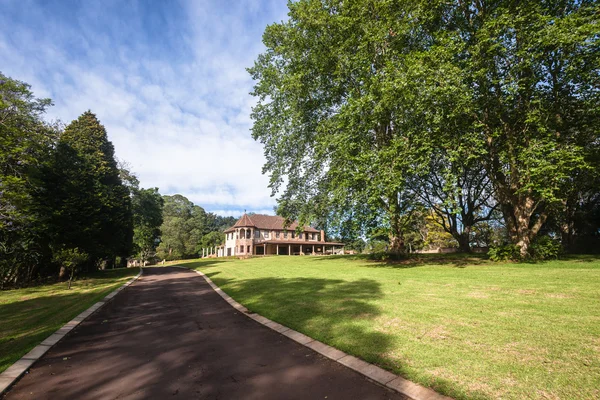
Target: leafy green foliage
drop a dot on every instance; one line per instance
(355, 100)
(545, 248)
(25, 144)
(70, 259)
(505, 252)
(147, 218)
(87, 204)
(187, 228)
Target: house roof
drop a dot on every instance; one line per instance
(267, 222)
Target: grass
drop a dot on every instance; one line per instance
(463, 326)
(31, 315)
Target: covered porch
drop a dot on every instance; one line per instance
(290, 248)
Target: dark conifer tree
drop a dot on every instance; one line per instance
(89, 206)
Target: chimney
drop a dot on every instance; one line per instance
(322, 235)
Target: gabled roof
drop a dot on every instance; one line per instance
(267, 222)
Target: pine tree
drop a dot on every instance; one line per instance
(89, 207)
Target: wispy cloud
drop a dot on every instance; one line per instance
(167, 80)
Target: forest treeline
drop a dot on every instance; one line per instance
(66, 205)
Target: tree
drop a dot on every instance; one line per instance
(147, 205)
(181, 230)
(87, 204)
(212, 239)
(147, 210)
(25, 144)
(70, 260)
(534, 73)
(459, 191)
(334, 125)
(354, 97)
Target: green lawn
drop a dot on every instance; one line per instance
(465, 327)
(28, 316)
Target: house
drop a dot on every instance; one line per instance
(259, 234)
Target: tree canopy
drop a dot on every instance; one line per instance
(356, 98)
(88, 206)
(187, 228)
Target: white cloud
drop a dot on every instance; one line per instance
(181, 120)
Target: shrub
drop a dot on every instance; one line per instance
(505, 252)
(544, 247)
(386, 256)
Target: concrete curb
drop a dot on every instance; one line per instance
(15, 371)
(373, 372)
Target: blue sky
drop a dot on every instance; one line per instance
(166, 78)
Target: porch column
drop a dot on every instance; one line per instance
(265, 249)
(313, 253)
(277, 248)
(289, 249)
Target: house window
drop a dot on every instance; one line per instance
(266, 234)
(285, 234)
(257, 234)
(300, 235)
(241, 249)
(277, 234)
(293, 234)
(248, 234)
(248, 250)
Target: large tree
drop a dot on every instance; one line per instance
(182, 228)
(88, 205)
(147, 219)
(334, 130)
(533, 71)
(147, 209)
(355, 96)
(25, 144)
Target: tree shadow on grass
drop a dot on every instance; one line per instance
(334, 311)
(458, 260)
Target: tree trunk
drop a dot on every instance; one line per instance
(463, 239)
(522, 228)
(396, 237)
(71, 277)
(397, 244)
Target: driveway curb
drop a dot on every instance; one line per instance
(15, 371)
(371, 371)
